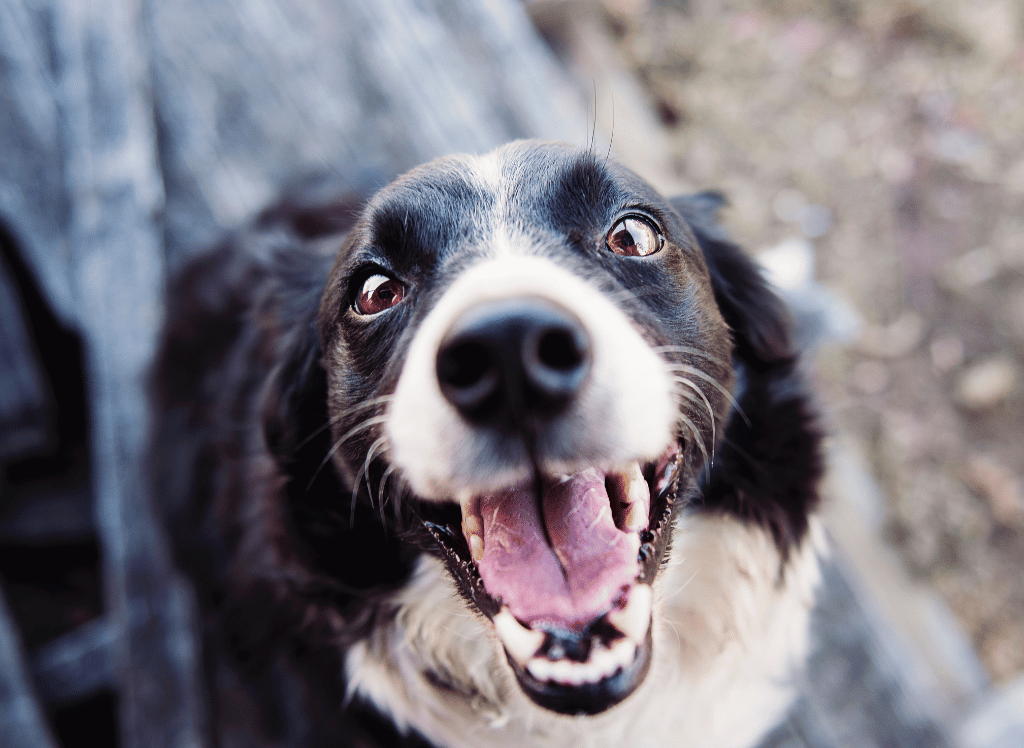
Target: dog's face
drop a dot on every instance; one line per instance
(524, 352)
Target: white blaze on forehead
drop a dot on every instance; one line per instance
(624, 412)
(487, 174)
(487, 170)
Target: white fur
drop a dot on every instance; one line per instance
(623, 413)
(730, 633)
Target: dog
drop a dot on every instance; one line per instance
(516, 453)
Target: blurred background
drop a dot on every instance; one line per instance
(886, 140)
(873, 157)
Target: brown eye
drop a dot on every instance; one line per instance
(378, 294)
(634, 236)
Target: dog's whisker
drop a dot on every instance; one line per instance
(363, 426)
(694, 371)
(697, 438)
(364, 471)
(611, 138)
(372, 402)
(692, 351)
(687, 396)
(707, 403)
(381, 498)
(682, 587)
(679, 640)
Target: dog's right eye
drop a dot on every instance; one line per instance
(378, 294)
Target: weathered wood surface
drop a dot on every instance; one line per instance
(132, 131)
(853, 694)
(259, 91)
(24, 401)
(22, 724)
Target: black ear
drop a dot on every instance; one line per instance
(768, 461)
(760, 321)
(294, 404)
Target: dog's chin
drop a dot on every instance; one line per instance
(566, 581)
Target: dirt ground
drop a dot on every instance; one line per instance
(891, 136)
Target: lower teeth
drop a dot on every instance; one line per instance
(602, 664)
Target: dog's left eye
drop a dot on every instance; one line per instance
(378, 294)
(634, 236)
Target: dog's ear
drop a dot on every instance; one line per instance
(769, 461)
(294, 401)
(759, 320)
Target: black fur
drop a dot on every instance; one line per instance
(288, 575)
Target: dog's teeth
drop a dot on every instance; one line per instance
(602, 664)
(540, 668)
(472, 525)
(637, 496)
(621, 654)
(635, 618)
(520, 642)
(636, 519)
(470, 504)
(476, 548)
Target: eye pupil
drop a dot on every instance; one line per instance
(634, 236)
(378, 294)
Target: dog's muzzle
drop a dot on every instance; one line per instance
(532, 404)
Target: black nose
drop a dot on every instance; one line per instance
(513, 362)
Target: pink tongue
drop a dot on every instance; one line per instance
(521, 570)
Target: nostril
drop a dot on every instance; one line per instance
(469, 375)
(560, 349)
(556, 363)
(463, 364)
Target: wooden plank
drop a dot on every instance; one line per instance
(116, 257)
(250, 94)
(33, 193)
(24, 401)
(76, 665)
(22, 724)
(996, 722)
(854, 693)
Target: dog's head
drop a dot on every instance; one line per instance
(524, 352)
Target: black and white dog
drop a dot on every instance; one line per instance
(515, 455)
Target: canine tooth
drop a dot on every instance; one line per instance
(635, 618)
(522, 643)
(620, 656)
(637, 496)
(472, 525)
(476, 548)
(633, 473)
(636, 518)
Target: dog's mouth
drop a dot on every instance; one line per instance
(566, 580)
